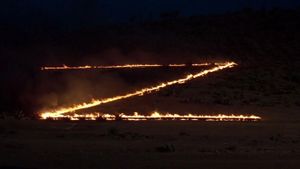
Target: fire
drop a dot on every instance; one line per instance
(177, 65)
(154, 116)
(64, 67)
(61, 111)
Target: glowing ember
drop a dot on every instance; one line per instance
(154, 116)
(64, 67)
(176, 65)
(61, 111)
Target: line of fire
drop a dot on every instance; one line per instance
(126, 66)
(69, 112)
(153, 116)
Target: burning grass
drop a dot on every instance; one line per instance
(127, 66)
(62, 111)
(153, 116)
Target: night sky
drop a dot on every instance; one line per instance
(75, 12)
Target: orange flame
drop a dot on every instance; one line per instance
(140, 92)
(177, 65)
(64, 67)
(155, 116)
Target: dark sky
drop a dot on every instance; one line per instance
(107, 11)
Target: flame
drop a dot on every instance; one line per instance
(155, 116)
(64, 67)
(177, 65)
(140, 92)
(168, 116)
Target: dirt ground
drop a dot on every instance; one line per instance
(271, 143)
(151, 144)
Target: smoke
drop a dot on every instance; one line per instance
(29, 89)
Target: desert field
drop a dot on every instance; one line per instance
(150, 144)
(273, 142)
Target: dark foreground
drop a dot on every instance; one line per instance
(164, 144)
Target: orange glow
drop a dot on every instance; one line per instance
(177, 65)
(154, 116)
(58, 112)
(64, 67)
